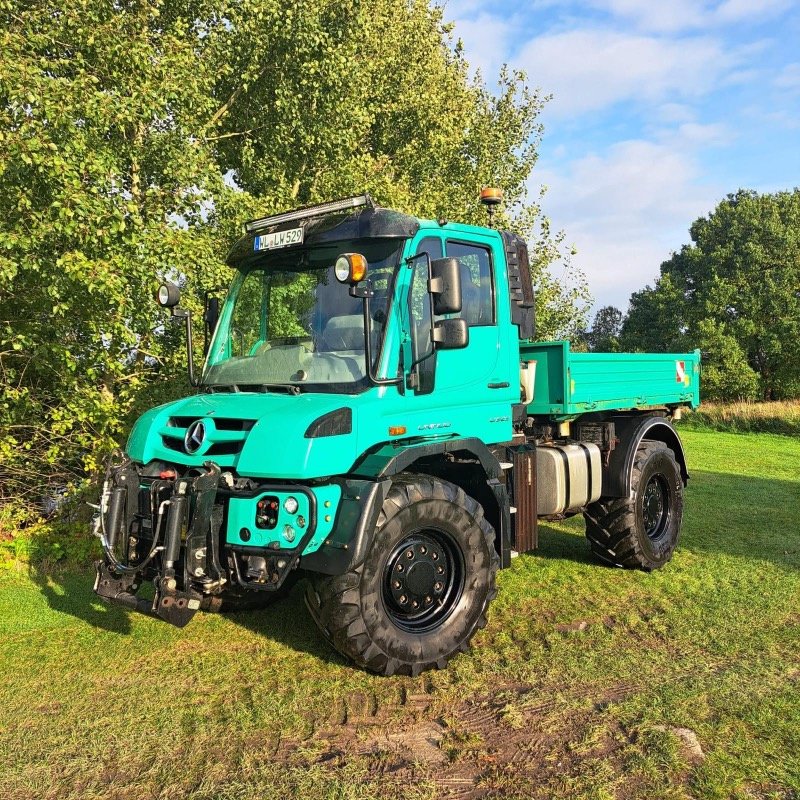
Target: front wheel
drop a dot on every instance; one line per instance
(423, 588)
(640, 531)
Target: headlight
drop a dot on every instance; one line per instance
(291, 505)
(350, 268)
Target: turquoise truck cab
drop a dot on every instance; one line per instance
(375, 414)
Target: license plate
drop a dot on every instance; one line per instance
(271, 241)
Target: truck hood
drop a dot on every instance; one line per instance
(260, 435)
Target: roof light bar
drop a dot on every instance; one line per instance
(310, 211)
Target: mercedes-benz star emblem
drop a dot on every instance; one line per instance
(195, 436)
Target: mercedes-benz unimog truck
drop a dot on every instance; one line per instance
(376, 415)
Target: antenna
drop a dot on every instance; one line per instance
(491, 197)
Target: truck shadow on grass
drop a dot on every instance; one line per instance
(725, 515)
(70, 592)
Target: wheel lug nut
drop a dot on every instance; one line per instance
(400, 568)
(423, 550)
(440, 570)
(437, 587)
(414, 604)
(403, 599)
(409, 554)
(428, 600)
(396, 584)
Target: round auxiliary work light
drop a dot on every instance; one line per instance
(291, 505)
(350, 268)
(168, 295)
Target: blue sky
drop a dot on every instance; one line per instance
(659, 110)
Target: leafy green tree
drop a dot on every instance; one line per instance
(735, 293)
(137, 136)
(99, 104)
(606, 327)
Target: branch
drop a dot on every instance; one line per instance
(226, 106)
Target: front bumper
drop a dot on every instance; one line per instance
(169, 530)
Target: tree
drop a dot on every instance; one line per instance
(735, 293)
(604, 335)
(136, 137)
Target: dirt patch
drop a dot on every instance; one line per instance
(518, 740)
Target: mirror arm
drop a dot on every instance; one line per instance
(181, 313)
(365, 295)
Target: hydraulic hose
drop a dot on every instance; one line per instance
(130, 569)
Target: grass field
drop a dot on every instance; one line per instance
(588, 682)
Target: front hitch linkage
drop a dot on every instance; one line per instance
(118, 580)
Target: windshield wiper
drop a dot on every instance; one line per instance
(288, 388)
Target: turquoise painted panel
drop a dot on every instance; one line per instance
(462, 404)
(242, 516)
(568, 384)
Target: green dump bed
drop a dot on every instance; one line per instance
(568, 384)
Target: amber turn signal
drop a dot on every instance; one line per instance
(350, 268)
(397, 430)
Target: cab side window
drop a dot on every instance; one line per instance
(476, 282)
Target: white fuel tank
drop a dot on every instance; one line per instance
(568, 477)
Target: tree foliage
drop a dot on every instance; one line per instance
(606, 328)
(735, 293)
(136, 136)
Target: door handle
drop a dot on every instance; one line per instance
(502, 385)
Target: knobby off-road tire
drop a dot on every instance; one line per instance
(640, 531)
(423, 588)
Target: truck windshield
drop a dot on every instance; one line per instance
(289, 321)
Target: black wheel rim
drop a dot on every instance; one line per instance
(656, 507)
(423, 580)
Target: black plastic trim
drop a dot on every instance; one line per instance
(334, 423)
(520, 285)
(631, 430)
(356, 518)
(363, 223)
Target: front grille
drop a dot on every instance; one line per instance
(220, 423)
(224, 436)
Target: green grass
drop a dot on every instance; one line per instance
(97, 703)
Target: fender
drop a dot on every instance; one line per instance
(630, 432)
(363, 497)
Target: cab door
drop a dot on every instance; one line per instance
(460, 392)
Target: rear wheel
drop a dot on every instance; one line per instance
(640, 531)
(423, 588)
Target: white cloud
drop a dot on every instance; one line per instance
(684, 15)
(660, 17)
(626, 210)
(696, 133)
(732, 11)
(789, 77)
(485, 41)
(588, 70)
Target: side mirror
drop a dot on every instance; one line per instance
(445, 286)
(450, 334)
(168, 295)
